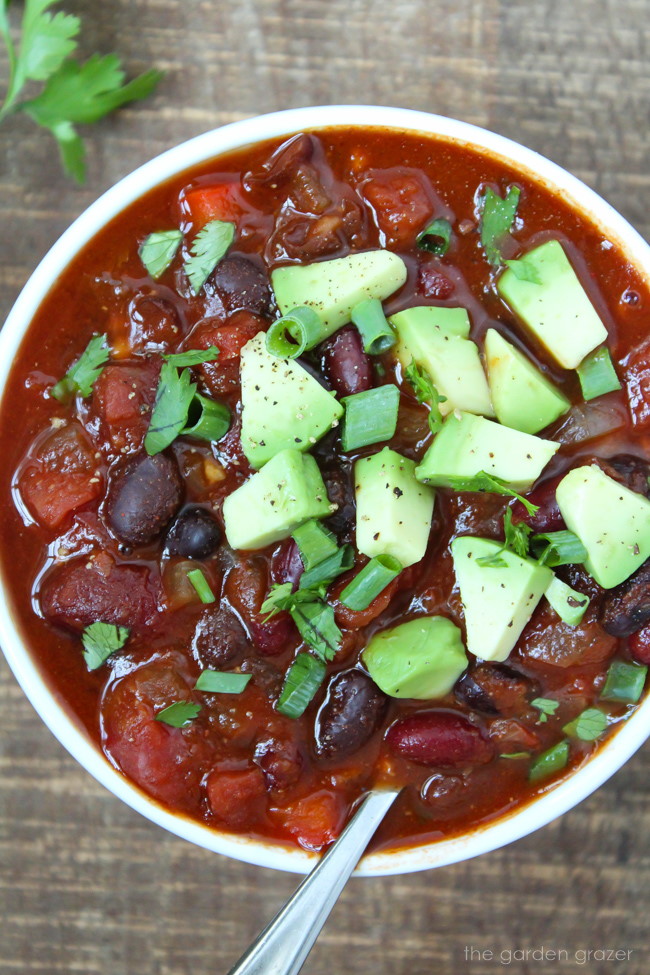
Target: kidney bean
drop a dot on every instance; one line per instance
(241, 283)
(281, 762)
(155, 323)
(81, 592)
(443, 791)
(549, 517)
(347, 366)
(219, 638)
(194, 534)
(245, 588)
(143, 497)
(510, 735)
(626, 607)
(439, 738)
(286, 564)
(494, 689)
(640, 645)
(349, 715)
(432, 283)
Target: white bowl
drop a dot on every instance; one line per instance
(557, 799)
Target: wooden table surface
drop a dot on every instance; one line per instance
(86, 885)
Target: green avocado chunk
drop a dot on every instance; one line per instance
(271, 504)
(523, 398)
(437, 339)
(334, 288)
(394, 510)
(468, 444)
(554, 306)
(421, 659)
(498, 600)
(282, 405)
(612, 522)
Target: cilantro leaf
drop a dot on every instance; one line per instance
(84, 372)
(193, 357)
(158, 251)
(517, 536)
(525, 270)
(100, 640)
(426, 392)
(178, 714)
(497, 217)
(587, 726)
(170, 409)
(208, 247)
(494, 485)
(546, 707)
(435, 237)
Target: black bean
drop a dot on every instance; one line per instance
(350, 714)
(241, 284)
(219, 638)
(626, 608)
(494, 689)
(143, 497)
(194, 534)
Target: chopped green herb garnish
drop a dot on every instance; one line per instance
(315, 543)
(159, 250)
(311, 614)
(495, 561)
(426, 392)
(549, 762)
(516, 541)
(193, 357)
(82, 374)
(179, 714)
(304, 677)
(221, 682)
(525, 270)
(494, 485)
(376, 333)
(624, 683)
(435, 237)
(329, 569)
(587, 726)
(208, 247)
(515, 755)
(597, 374)
(207, 419)
(73, 93)
(370, 417)
(546, 707)
(569, 604)
(497, 218)
(370, 582)
(201, 585)
(100, 640)
(558, 548)
(173, 398)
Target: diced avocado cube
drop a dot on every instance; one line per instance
(334, 288)
(612, 522)
(421, 659)
(555, 307)
(271, 504)
(498, 601)
(437, 339)
(282, 405)
(523, 398)
(393, 510)
(569, 605)
(468, 444)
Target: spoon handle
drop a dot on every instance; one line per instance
(284, 944)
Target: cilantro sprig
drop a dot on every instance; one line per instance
(73, 93)
(84, 372)
(426, 392)
(516, 540)
(175, 396)
(491, 484)
(158, 250)
(208, 248)
(497, 217)
(100, 640)
(546, 707)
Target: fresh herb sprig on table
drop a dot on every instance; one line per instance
(73, 93)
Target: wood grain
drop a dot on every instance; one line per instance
(87, 886)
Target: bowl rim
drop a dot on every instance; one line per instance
(506, 828)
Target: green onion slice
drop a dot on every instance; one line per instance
(558, 548)
(376, 334)
(552, 760)
(201, 585)
(317, 626)
(435, 237)
(569, 604)
(315, 543)
(373, 579)
(208, 419)
(296, 332)
(587, 726)
(329, 569)
(178, 714)
(370, 417)
(220, 682)
(624, 682)
(597, 374)
(304, 677)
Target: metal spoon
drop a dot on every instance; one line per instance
(284, 944)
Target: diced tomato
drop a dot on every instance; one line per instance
(640, 645)
(403, 201)
(122, 400)
(237, 798)
(61, 476)
(314, 821)
(636, 377)
(355, 619)
(549, 641)
(222, 375)
(219, 201)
